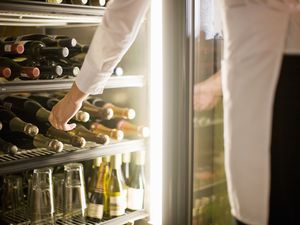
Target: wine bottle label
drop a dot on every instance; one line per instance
(95, 211)
(135, 198)
(117, 205)
(7, 48)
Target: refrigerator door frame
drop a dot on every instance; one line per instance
(178, 48)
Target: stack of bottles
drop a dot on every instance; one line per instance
(116, 186)
(24, 124)
(39, 56)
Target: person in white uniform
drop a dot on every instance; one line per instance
(260, 83)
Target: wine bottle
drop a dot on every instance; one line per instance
(101, 3)
(90, 136)
(117, 200)
(49, 102)
(92, 181)
(70, 68)
(125, 113)
(97, 198)
(130, 130)
(37, 50)
(7, 48)
(38, 141)
(19, 71)
(118, 71)
(136, 185)
(7, 147)
(61, 135)
(106, 160)
(126, 166)
(78, 49)
(12, 123)
(5, 72)
(98, 128)
(97, 112)
(20, 105)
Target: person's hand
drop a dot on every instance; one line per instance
(66, 108)
(207, 93)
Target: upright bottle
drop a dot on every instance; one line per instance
(136, 185)
(130, 130)
(117, 198)
(18, 71)
(126, 166)
(12, 123)
(94, 176)
(106, 160)
(119, 112)
(97, 198)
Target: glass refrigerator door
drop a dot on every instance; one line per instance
(210, 202)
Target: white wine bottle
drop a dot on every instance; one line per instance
(136, 186)
(92, 180)
(126, 166)
(106, 160)
(97, 199)
(117, 199)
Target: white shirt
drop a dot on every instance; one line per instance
(113, 37)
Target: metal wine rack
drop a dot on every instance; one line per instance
(19, 217)
(35, 158)
(33, 13)
(124, 81)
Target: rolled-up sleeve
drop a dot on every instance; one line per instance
(113, 37)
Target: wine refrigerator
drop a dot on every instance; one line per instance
(148, 150)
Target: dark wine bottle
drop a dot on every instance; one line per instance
(8, 48)
(69, 68)
(78, 49)
(61, 135)
(119, 112)
(38, 141)
(97, 112)
(5, 72)
(7, 147)
(27, 108)
(18, 70)
(90, 136)
(12, 123)
(77, 2)
(98, 128)
(130, 130)
(37, 50)
(97, 198)
(101, 3)
(49, 102)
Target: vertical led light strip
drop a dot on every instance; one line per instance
(156, 112)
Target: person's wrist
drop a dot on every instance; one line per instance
(75, 95)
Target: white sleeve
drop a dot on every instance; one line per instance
(113, 37)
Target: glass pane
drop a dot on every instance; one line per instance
(210, 203)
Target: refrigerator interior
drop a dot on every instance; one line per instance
(129, 90)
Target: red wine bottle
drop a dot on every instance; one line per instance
(37, 50)
(8, 48)
(5, 72)
(78, 49)
(18, 71)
